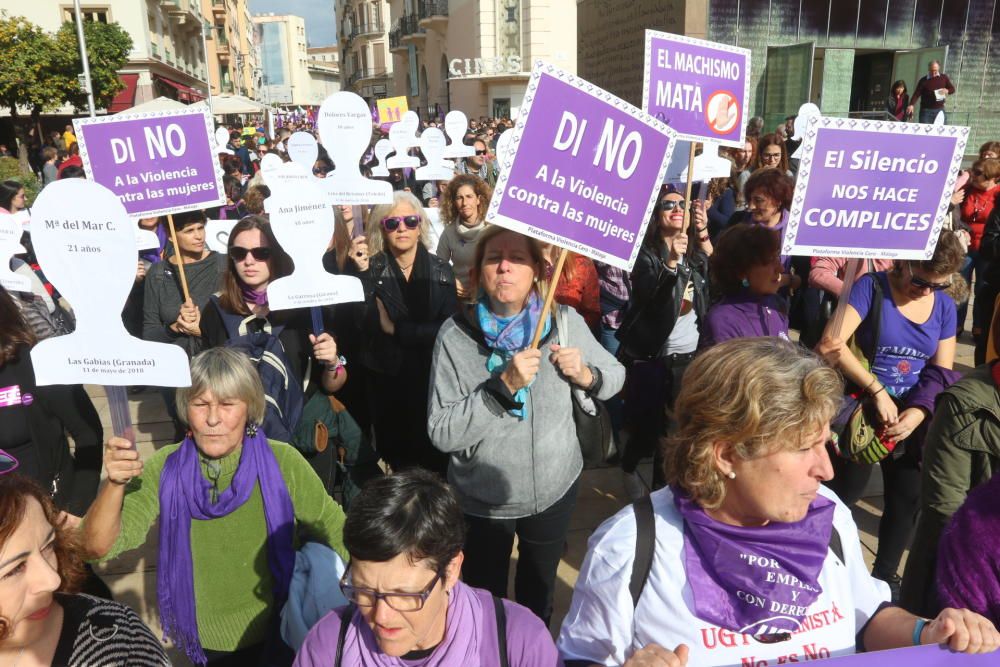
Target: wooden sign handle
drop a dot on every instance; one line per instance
(180, 260)
(687, 190)
(549, 296)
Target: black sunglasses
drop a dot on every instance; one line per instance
(7, 463)
(670, 204)
(926, 284)
(239, 253)
(392, 223)
(479, 152)
(321, 171)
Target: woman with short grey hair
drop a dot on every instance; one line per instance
(232, 507)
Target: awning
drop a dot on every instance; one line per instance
(125, 98)
(184, 93)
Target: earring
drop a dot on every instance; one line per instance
(731, 475)
(745, 283)
(251, 429)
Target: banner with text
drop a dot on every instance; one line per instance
(916, 656)
(873, 189)
(585, 168)
(157, 162)
(698, 88)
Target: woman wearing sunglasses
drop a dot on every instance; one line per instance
(407, 605)
(745, 558)
(43, 618)
(409, 294)
(660, 331)
(913, 360)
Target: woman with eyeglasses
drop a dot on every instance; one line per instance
(409, 294)
(407, 605)
(660, 331)
(745, 557)
(44, 619)
(772, 154)
(913, 362)
(232, 507)
(464, 218)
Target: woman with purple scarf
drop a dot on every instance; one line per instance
(407, 606)
(745, 557)
(503, 412)
(233, 507)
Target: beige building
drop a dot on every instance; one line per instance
(284, 65)
(476, 55)
(167, 57)
(324, 72)
(232, 48)
(363, 35)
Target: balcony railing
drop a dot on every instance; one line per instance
(396, 38)
(366, 73)
(155, 50)
(410, 25)
(371, 28)
(170, 58)
(429, 8)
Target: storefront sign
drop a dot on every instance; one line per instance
(158, 162)
(462, 67)
(873, 189)
(698, 88)
(584, 168)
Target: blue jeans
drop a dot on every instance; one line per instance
(927, 116)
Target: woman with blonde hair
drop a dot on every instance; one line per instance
(409, 293)
(745, 553)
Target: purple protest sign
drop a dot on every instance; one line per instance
(698, 88)
(916, 656)
(156, 163)
(873, 189)
(585, 168)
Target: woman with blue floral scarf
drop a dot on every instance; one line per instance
(504, 414)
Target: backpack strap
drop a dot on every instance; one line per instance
(501, 616)
(645, 544)
(836, 546)
(875, 315)
(345, 622)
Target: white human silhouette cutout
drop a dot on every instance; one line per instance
(303, 150)
(383, 147)
(503, 151)
(271, 169)
(455, 125)
(86, 244)
(403, 136)
(10, 245)
(806, 111)
(710, 164)
(345, 128)
(302, 221)
(221, 139)
(432, 146)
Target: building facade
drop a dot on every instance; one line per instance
(232, 47)
(843, 55)
(324, 72)
(363, 36)
(167, 57)
(476, 55)
(284, 66)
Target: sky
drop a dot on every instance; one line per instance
(319, 16)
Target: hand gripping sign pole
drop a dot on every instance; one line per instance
(180, 260)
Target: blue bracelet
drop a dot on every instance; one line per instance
(918, 629)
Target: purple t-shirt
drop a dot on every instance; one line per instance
(904, 347)
(744, 316)
(473, 641)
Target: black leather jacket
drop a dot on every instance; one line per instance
(657, 292)
(384, 353)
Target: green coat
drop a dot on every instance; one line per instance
(962, 451)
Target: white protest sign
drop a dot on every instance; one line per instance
(345, 128)
(436, 228)
(383, 147)
(873, 189)
(10, 245)
(217, 234)
(85, 243)
(302, 221)
(403, 136)
(455, 125)
(708, 165)
(432, 146)
(273, 172)
(303, 150)
(221, 139)
(504, 152)
(146, 240)
(806, 111)
(157, 163)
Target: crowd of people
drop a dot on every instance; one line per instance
(419, 433)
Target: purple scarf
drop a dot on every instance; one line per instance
(256, 297)
(729, 568)
(185, 495)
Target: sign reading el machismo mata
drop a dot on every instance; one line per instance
(698, 88)
(585, 168)
(156, 163)
(873, 189)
